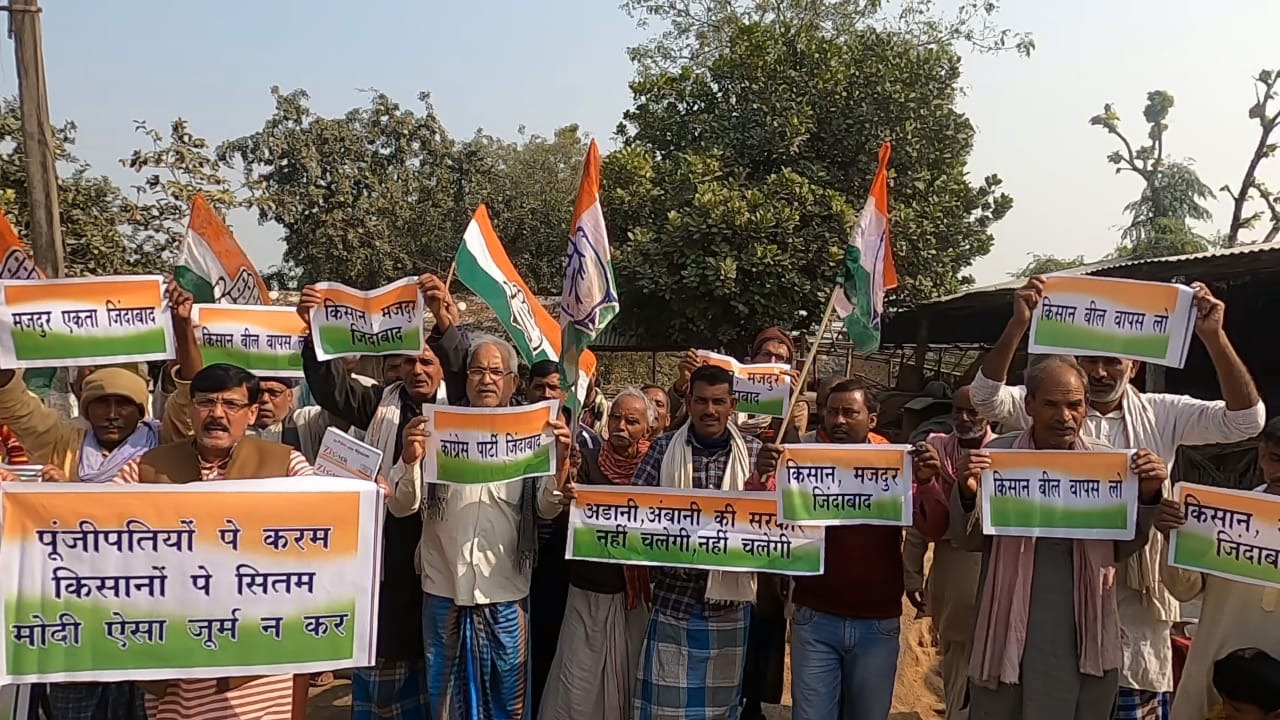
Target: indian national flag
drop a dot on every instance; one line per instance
(590, 297)
(868, 266)
(483, 266)
(212, 267)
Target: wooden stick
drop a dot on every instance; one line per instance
(813, 353)
(448, 279)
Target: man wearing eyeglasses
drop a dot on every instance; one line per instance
(224, 405)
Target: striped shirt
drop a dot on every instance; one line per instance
(266, 698)
(14, 453)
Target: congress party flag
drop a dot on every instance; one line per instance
(212, 266)
(483, 266)
(590, 297)
(868, 266)
(15, 263)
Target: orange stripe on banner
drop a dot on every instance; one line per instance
(126, 292)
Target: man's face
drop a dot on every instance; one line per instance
(274, 401)
(1057, 409)
(1108, 376)
(1269, 461)
(846, 418)
(220, 419)
(544, 388)
(658, 397)
(422, 375)
(628, 424)
(113, 419)
(393, 369)
(966, 420)
(489, 382)
(710, 407)
(773, 352)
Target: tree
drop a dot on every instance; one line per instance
(1264, 93)
(364, 199)
(1172, 193)
(93, 209)
(1045, 264)
(731, 199)
(697, 31)
(174, 169)
(529, 187)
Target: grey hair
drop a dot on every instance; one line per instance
(510, 360)
(1042, 367)
(650, 409)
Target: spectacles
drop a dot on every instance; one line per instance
(206, 402)
(482, 373)
(274, 393)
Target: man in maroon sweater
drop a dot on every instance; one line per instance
(844, 636)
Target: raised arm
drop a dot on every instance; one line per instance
(38, 427)
(447, 334)
(991, 396)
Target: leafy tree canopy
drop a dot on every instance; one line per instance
(1045, 264)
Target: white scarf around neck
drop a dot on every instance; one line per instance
(677, 472)
(384, 427)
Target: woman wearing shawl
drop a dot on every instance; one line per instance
(1046, 643)
(594, 669)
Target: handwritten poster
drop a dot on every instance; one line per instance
(474, 446)
(84, 321)
(386, 321)
(1107, 316)
(344, 456)
(1229, 533)
(146, 582)
(1060, 494)
(761, 389)
(830, 484)
(708, 529)
(263, 339)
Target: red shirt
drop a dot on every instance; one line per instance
(863, 574)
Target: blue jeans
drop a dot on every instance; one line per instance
(842, 667)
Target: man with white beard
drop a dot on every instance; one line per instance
(1125, 418)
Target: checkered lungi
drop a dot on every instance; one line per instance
(390, 690)
(1142, 705)
(691, 668)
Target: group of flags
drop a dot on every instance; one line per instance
(213, 267)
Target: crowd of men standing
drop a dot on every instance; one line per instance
(480, 616)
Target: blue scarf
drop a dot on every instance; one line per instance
(98, 468)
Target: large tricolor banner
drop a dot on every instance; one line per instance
(483, 266)
(1060, 494)
(84, 321)
(212, 266)
(149, 582)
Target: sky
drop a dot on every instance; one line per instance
(501, 64)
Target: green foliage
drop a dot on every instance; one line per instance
(1172, 197)
(1045, 264)
(696, 32)
(731, 200)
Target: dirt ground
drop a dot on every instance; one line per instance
(917, 694)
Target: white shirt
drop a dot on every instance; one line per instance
(1179, 420)
(471, 555)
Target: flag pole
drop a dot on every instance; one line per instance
(813, 353)
(448, 279)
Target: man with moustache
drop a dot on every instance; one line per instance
(224, 404)
(1046, 641)
(477, 551)
(397, 685)
(1125, 418)
(844, 632)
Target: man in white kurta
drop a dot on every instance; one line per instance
(1125, 418)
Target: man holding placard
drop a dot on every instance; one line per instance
(1047, 642)
(477, 549)
(397, 685)
(1125, 418)
(844, 632)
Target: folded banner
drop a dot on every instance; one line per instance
(1060, 494)
(344, 456)
(149, 582)
(708, 529)
(845, 484)
(1107, 316)
(84, 321)
(1229, 533)
(263, 339)
(474, 446)
(761, 389)
(386, 321)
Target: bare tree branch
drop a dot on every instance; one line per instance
(1264, 91)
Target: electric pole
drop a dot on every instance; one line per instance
(45, 233)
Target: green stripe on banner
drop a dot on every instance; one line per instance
(465, 471)
(29, 345)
